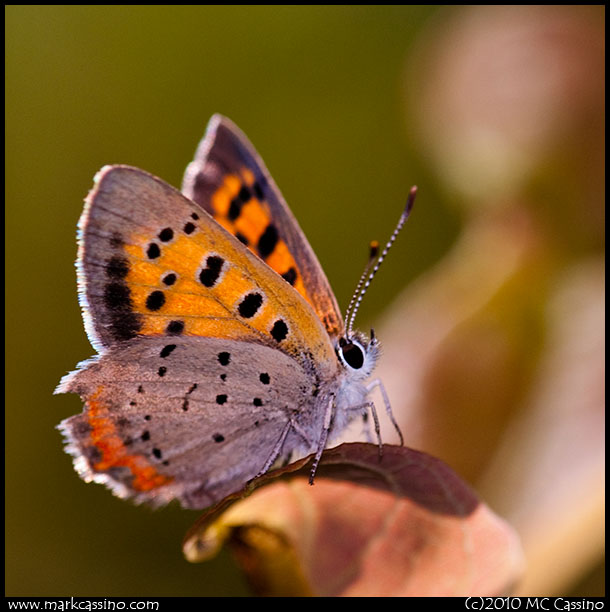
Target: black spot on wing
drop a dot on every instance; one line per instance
(250, 305)
(116, 241)
(153, 251)
(290, 275)
(117, 268)
(166, 350)
(169, 279)
(166, 234)
(237, 203)
(155, 300)
(210, 274)
(124, 323)
(175, 328)
(258, 191)
(279, 331)
(242, 238)
(268, 241)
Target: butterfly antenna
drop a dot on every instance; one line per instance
(369, 274)
(373, 252)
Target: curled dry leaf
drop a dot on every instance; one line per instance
(404, 524)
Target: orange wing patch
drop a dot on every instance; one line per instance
(113, 452)
(154, 264)
(239, 206)
(188, 279)
(190, 287)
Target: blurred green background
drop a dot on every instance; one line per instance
(320, 92)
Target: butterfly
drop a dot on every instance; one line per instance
(221, 348)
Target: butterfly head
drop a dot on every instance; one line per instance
(358, 354)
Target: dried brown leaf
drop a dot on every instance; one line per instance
(402, 525)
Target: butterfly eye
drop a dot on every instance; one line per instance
(352, 354)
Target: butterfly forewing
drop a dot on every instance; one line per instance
(152, 263)
(229, 180)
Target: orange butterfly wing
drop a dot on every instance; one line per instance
(230, 181)
(152, 263)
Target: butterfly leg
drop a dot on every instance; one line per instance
(277, 449)
(301, 432)
(388, 407)
(328, 417)
(366, 427)
(371, 406)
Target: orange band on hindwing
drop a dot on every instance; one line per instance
(105, 438)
